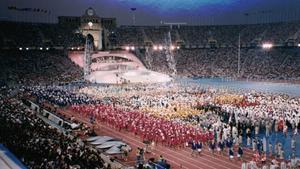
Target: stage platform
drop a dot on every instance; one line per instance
(130, 76)
(114, 71)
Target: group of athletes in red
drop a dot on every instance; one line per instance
(148, 127)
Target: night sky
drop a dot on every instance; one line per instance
(153, 12)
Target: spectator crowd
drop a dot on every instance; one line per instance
(38, 144)
(174, 114)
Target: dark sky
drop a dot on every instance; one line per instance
(152, 12)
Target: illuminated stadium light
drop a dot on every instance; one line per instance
(72, 48)
(155, 48)
(27, 48)
(132, 48)
(172, 47)
(90, 24)
(299, 45)
(160, 47)
(41, 48)
(178, 47)
(20, 48)
(267, 45)
(127, 48)
(47, 48)
(78, 48)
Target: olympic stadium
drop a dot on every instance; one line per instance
(122, 84)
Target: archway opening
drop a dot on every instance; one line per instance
(90, 39)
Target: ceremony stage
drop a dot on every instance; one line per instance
(118, 68)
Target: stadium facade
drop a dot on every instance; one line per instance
(90, 24)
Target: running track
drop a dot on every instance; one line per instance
(178, 158)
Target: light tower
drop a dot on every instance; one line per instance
(170, 49)
(239, 57)
(133, 15)
(170, 55)
(88, 49)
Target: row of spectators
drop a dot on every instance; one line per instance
(39, 145)
(228, 35)
(255, 64)
(58, 96)
(15, 34)
(37, 67)
(276, 64)
(40, 67)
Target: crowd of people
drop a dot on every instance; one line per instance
(38, 144)
(57, 95)
(16, 34)
(37, 67)
(255, 64)
(212, 51)
(149, 128)
(250, 119)
(174, 114)
(224, 35)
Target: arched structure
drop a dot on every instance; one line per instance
(131, 59)
(118, 67)
(90, 24)
(90, 39)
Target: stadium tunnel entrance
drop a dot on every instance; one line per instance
(90, 39)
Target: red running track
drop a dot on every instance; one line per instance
(178, 158)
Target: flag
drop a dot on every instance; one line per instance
(28, 9)
(12, 7)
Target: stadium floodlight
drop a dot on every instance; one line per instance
(78, 48)
(41, 48)
(127, 48)
(132, 48)
(72, 48)
(299, 45)
(178, 47)
(20, 48)
(267, 45)
(155, 48)
(47, 48)
(160, 47)
(172, 47)
(27, 48)
(90, 24)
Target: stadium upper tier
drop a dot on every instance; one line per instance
(14, 34)
(196, 57)
(255, 64)
(37, 67)
(203, 36)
